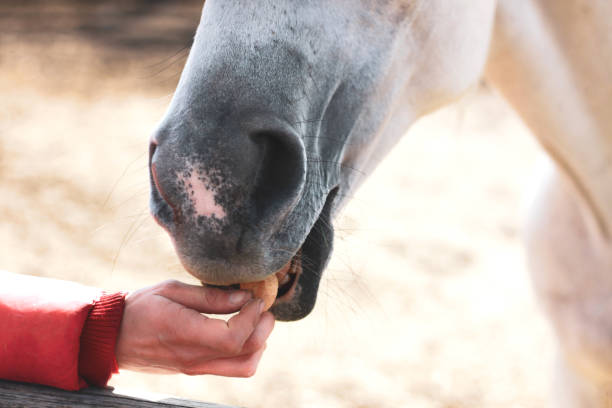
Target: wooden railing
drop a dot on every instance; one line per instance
(17, 395)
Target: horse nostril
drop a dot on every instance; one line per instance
(161, 209)
(152, 169)
(152, 149)
(280, 177)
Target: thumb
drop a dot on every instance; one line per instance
(204, 299)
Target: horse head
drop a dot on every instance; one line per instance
(281, 109)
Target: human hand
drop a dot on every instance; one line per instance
(163, 331)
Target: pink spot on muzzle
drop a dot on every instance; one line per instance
(201, 195)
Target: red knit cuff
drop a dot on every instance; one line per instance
(97, 362)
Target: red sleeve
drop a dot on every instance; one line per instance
(50, 330)
(97, 362)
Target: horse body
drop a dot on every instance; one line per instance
(283, 107)
(553, 62)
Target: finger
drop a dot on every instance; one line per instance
(241, 366)
(244, 323)
(226, 338)
(204, 299)
(254, 342)
(260, 334)
(194, 352)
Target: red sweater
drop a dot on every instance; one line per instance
(57, 333)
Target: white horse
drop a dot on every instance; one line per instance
(338, 82)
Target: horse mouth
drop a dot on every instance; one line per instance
(287, 278)
(298, 280)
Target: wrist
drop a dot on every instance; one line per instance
(97, 361)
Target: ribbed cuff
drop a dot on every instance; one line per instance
(97, 362)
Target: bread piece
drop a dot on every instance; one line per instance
(265, 290)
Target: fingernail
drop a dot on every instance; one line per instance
(260, 306)
(238, 297)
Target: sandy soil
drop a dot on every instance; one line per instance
(426, 302)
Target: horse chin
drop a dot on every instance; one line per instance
(297, 297)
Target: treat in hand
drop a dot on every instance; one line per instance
(265, 290)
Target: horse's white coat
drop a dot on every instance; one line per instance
(552, 60)
(435, 64)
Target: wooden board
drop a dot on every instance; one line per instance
(17, 395)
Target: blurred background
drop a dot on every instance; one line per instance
(426, 302)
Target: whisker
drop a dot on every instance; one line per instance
(139, 193)
(133, 228)
(164, 64)
(341, 165)
(336, 139)
(120, 219)
(125, 170)
(172, 56)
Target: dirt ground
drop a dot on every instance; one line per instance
(426, 302)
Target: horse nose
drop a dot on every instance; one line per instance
(247, 178)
